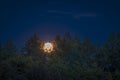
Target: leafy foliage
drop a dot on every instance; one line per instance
(72, 60)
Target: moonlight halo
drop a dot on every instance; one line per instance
(48, 47)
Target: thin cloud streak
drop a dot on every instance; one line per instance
(59, 12)
(73, 15)
(77, 16)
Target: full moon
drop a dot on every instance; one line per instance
(48, 47)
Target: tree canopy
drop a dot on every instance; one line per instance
(72, 59)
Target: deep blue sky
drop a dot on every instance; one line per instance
(19, 19)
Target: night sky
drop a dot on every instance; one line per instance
(84, 18)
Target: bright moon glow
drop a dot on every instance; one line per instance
(48, 47)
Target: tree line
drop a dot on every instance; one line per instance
(73, 59)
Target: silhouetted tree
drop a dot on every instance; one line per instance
(33, 48)
(72, 60)
(10, 48)
(1, 52)
(114, 51)
(58, 39)
(76, 43)
(68, 37)
(87, 53)
(1, 48)
(33, 45)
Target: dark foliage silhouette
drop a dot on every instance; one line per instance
(73, 59)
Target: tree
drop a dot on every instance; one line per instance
(1, 52)
(102, 56)
(114, 51)
(88, 46)
(87, 53)
(76, 43)
(10, 48)
(68, 37)
(109, 59)
(32, 45)
(1, 49)
(58, 40)
(112, 41)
